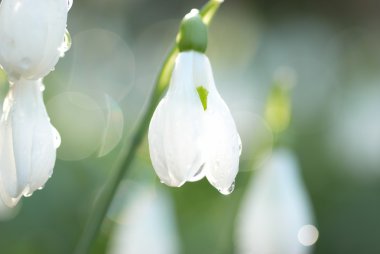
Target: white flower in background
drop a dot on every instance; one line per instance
(146, 223)
(33, 37)
(276, 215)
(192, 133)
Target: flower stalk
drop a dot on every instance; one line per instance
(105, 199)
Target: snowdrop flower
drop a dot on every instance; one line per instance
(33, 37)
(28, 142)
(192, 133)
(276, 215)
(146, 223)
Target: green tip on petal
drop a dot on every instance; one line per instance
(192, 33)
(203, 93)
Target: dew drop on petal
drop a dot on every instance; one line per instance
(240, 145)
(69, 4)
(42, 88)
(57, 138)
(25, 63)
(66, 44)
(40, 188)
(28, 194)
(229, 190)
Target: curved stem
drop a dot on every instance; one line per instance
(105, 199)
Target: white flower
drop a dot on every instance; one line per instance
(192, 133)
(276, 215)
(32, 35)
(28, 142)
(146, 223)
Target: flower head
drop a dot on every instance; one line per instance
(28, 142)
(33, 37)
(192, 133)
(32, 33)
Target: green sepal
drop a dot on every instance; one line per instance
(192, 33)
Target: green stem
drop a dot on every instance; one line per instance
(106, 196)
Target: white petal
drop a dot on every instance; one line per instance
(8, 173)
(175, 132)
(203, 75)
(31, 33)
(27, 138)
(224, 145)
(222, 139)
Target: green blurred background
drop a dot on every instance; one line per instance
(99, 90)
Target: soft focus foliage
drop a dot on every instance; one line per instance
(98, 91)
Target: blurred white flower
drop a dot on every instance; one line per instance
(192, 133)
(32, 36)
(276, 215)
(28, 142)
(146, 224)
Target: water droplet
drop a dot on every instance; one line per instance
(40, 188)
(42, 88)
(229, 190)
(25, 63)
(66, 44)
(57, 138)
(240, 145)
(69, 4)
(28, 194)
